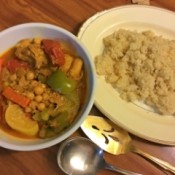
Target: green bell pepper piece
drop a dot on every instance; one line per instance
(58, 81)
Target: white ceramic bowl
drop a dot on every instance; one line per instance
(9, 38)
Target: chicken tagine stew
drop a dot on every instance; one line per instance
(42, 84)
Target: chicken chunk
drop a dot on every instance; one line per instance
(31, 51)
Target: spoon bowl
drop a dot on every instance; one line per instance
(81, 156)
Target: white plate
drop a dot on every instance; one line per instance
(137, 119)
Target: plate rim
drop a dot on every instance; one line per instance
(92, 18)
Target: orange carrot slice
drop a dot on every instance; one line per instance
(16, 97)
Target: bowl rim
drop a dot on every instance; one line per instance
(55, 140)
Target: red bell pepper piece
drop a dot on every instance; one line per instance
(54, 51)
(15, 63)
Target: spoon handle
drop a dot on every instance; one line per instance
(165, 165)
(119, 170)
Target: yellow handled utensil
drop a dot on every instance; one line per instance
(115, 140)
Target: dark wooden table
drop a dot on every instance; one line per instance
(70, 14)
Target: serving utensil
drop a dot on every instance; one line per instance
(81, 156)
(115, 140)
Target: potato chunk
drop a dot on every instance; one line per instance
(16, 119)
(76, 69)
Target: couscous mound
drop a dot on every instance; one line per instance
(141, 67)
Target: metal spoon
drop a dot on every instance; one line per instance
(81, 156)
(115, 140)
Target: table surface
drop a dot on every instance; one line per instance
(70, 14)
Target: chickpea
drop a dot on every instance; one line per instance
(13, 77)
(22, 82)
(33, 105)
(28, 109)
(45, 96)
(6, 84)
(13, 83)
(20, 72)
(41, 106)
(51, 100)
(30, 75)
(38, 98)
(34, 83)
(30, 95)
(38, 90)
(47, 103)
(43, 86)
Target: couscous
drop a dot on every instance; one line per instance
(141, 67)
